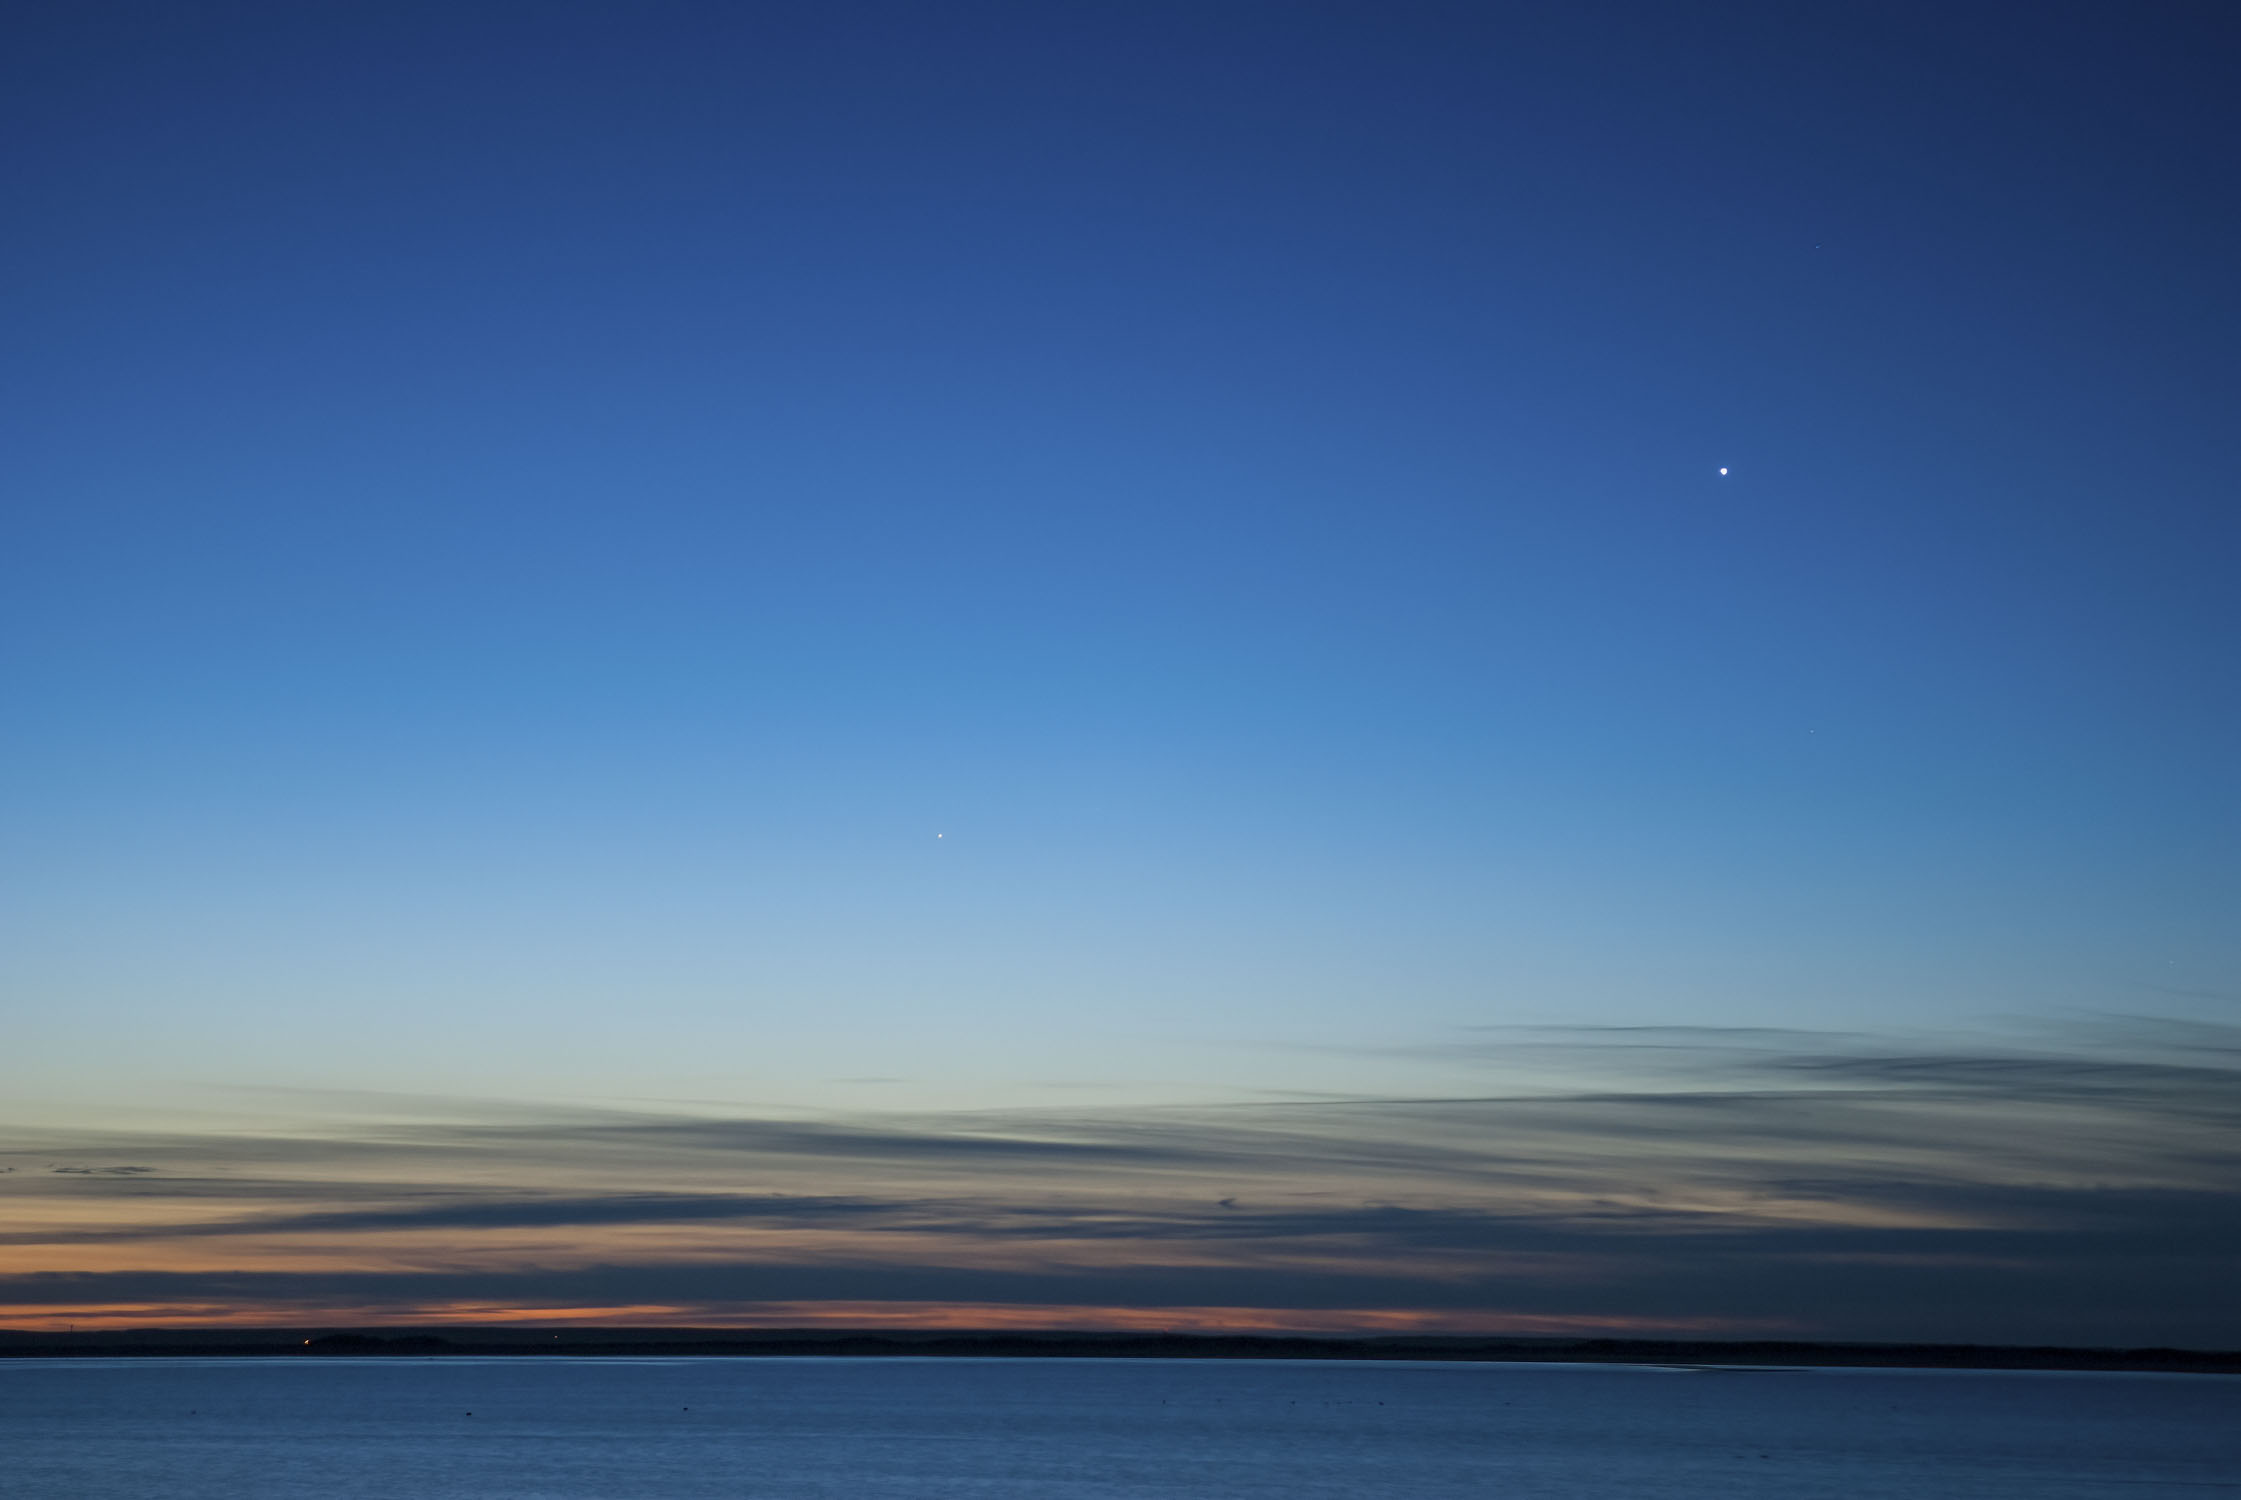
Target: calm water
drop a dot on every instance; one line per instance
(1071, 1429)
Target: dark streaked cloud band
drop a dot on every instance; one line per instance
(1858, 1187)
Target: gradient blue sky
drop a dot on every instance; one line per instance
(856, 557)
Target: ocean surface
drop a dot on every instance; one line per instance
(435, 1429)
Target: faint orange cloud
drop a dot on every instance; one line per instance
(869, 1315)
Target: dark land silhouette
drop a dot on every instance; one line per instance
(450, 1341)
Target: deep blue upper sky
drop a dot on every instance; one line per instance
(523, 523)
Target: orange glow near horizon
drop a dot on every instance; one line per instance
(897, 1316)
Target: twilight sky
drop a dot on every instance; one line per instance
(1092, 663)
